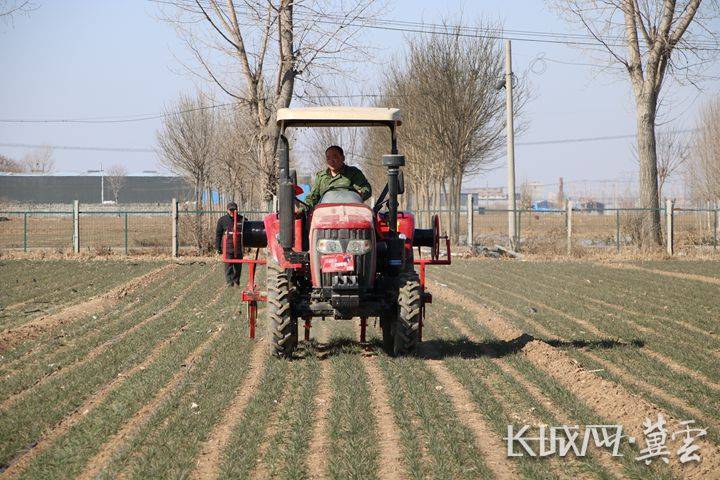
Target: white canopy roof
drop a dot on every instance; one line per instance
(339, 116)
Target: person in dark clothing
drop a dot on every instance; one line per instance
(225, 225)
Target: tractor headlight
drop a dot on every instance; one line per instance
(329, 246)
(358, 247)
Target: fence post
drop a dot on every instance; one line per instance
(76, 226)
(715, 229)
(669, 207)
(25, 237)
(568, 224)
(617, 230)
(518, 230)
(470, 218)
(126, 233)
(174, 215)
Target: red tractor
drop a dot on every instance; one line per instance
(343, 259)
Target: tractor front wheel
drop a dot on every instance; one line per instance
(282, 324)
(401, 330)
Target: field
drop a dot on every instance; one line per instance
(131, 369)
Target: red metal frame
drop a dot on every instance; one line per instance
(252, 295)
(423, 262)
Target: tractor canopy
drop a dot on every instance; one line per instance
(339, 117)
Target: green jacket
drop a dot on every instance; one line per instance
(349, 178)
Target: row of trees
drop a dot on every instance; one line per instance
(39, 160)
(453, 116)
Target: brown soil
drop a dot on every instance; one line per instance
(261, 468)
(606, 459)
(684, 276)
(669, 363)
(67, 422)
(486, 441)
(113, 444)
(390, 461)
(208, 463)
(609, 399)
(97, 351)
(37, 327)
(317, 451)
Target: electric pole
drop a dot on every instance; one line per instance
(512, 228)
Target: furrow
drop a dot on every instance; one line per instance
(318, 450)
(391, 467)
(97, 351)
(609, 399)
(208, 463)
(97, 398)
(489, 444)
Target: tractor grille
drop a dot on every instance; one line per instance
(362, 262)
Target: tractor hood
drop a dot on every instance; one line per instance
(331, 215)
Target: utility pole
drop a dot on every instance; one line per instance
(512, 228)
(102, 185)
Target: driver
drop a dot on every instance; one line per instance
(338, 176)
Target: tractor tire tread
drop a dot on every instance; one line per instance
(282, 325)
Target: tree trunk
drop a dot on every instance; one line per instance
(647, 154)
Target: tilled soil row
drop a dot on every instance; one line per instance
(208, 463)
(684, 276)
(97, 351)
(610, 367)
(66, 423)
(609, 399)
(36, 327)
(589, 327)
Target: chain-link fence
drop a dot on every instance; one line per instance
(552, 231)
(111, 231)
(548, 231)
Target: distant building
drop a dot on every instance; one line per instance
(144, 187)
(543, 206)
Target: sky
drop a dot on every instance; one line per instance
(86, 59)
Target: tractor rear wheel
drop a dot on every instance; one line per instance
(401, 329)
(282, 324)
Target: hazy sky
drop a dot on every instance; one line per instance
(84, 59)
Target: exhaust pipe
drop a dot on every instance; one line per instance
(286, 197)
(393, 163)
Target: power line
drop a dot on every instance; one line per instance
(116, 119)
(150, 150)
(154, 116)
(75, 147)
(594, 139)
(562, 38)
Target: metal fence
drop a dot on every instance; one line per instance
(154, 231)
(110, 231)
(557, 231)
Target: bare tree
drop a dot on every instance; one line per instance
(234, 168)
(672, 154)
(453, 117)
(272, 44)
(704, 165)
(650, 39)
(187, 146)
(11, 166)
(116, 177)
(9, 8)
(526, 195)
(40, 160)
